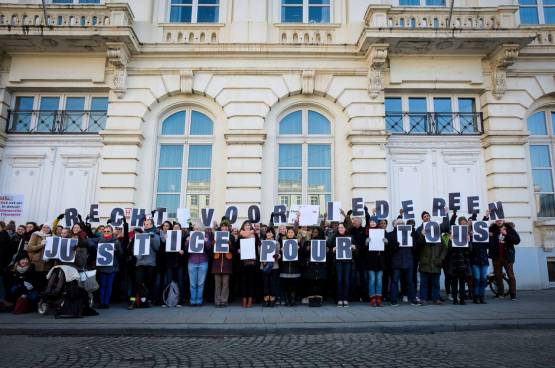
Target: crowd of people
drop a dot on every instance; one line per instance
(396, 274)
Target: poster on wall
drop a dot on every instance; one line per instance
(11, 206)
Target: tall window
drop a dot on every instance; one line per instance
(422, 2)
(68, 113)
(194, 11)
(305, 11)
(185, 162)
(75, 1)
(540, 127)
(432, 115)
(304, 159)
(537, 11)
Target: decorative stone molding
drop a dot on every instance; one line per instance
(547, 231)
(256, 136)
(26, 161)
(118, 58)
(186, 81)
(377, 57)
(501, 138)
(122, 137)
(307, 78)
(500, 61)
(79, 161)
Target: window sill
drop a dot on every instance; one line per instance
(307, 25)
(191, 25)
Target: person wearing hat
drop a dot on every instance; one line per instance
(222, 268)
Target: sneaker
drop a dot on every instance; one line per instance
(340, 303)
(131, 306)
(438, 302)
(450, 298)
(416, 303)
(178, 306)
(405, 299)
(345, 303)
(513, 298)
(418, 299)
(394, 304)
(164, 306)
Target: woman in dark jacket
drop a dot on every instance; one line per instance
(503, 238)
(315, 272)
(375, 265)
(289, 271)
(174, 261)
(343, 267)
(458, 264)
(248, 267)
(222, 268)
(23, 280)
(106, 274)
(402, 262)
(479, 264)
(270, 272)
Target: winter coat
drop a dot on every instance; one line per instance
(358, 239)
(290, 269)
(8, 249)
(458, 261)
(173, 259)
(118, 253)
(222, 263)
(375, 260)
(35, 249)
(401, 257)
(17, 281)
(149, 260)
(479, 254)
(511, 239)
(313, 270)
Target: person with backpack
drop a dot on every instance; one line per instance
(222, 269)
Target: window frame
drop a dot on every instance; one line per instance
(77, 2)
(422, 3)
(542, 140)
(455, 108)
(186, 140)
(62, 103)
(305, 11)
(540, 10)
(194, 11)
(304, 139)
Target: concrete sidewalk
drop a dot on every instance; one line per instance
(533, 309)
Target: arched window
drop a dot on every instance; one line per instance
(542, 133)
(304, 159)
(185, 162)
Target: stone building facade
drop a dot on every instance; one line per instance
(207, 103)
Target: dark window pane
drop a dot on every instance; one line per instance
(546, 205)
(291, 14)
(207, 14)
(417, 117)
(319, 14)
(180, 14)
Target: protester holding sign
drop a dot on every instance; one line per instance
(401, 249)
(479, 261)
(222, 265)
(174, 257)
(315, 253)
(199, 245)
(248, 266)
(503, 238)
(375, 262)
(108, 248)
(145, 265)
(35, 249)
(431, 255)
(290, 267)
(270, 269)
(458, 265)
(343, 268)
(359, 235)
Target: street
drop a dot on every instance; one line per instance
(493, 348)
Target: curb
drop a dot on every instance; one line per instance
(257, 330)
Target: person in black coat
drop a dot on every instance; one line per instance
(503, 238)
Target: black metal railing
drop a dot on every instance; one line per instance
(56, 121)
(439, 123)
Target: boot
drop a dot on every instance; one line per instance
(249, 302)
(244, 302)
(475, 300)
(373, 301)
(292, 300)
(379, 301)
(272, 301)
(482, 301)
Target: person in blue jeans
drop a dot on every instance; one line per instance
(402, 263)
(479, 263)
(375, 265)
(198, 267)
(343, 268)
(107, 274)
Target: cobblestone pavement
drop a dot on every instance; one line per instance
(507, 348)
